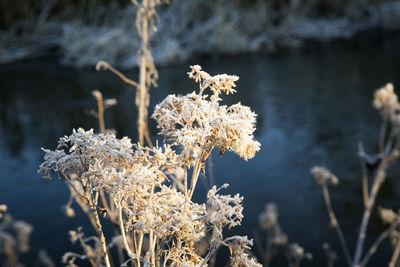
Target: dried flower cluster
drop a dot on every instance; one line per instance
(145, 190)
(322, 176)
(198, 123)
(387, 103)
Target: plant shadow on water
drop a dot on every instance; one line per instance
(313, 106)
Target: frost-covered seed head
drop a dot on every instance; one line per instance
(387, 215)
(322, 175)
(386, 101)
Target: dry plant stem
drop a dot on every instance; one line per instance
(147, 136)
(210, 254)
(364, 172)
(364, 182)
(379, 178)
(335, 223)
(195, 176)
(121, 224)
(377, 243)
(185, 182)
(142, 121)
(197, 168)
(210, 171)
(395, 256)
(93, 215)
(152, 253)
(101, 234)
(103, 64)
(382, 136)
(139, 248)
(144, 131)
(105, 203)
(100, 108)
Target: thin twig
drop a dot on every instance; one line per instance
(379, 178)
(105, 65)
(121, 224)
(395, 256)
(364, 172)
(377, 243)
(335, 223)
(382, 136)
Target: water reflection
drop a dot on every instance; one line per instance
(313, 107)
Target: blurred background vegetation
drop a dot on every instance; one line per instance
(84, 32)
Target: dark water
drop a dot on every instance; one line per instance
(313, 106)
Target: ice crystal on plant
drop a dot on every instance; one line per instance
(239, 257)
(224, 209)
(199, 122)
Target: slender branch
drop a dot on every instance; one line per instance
(395, 256)
(101, 234)
(335, 223)
(105, 204)
(195, 175)
(210, 171)
(105, 65)
(382, 136)
(121, 224)
(379, 178)
(377, 242)
(364, 172)
(197, 167)
(364, 183)
(139, 248)
(100, 110)
(74, 188)
(185, 182)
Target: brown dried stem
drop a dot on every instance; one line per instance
(364, 174)
(378, 241)
(395, 256)
(379, 179)
(106, 66)
(335, 223)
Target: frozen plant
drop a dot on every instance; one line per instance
(386, 102)
(198, 123)
(159, 224)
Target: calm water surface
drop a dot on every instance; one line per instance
(313, 106)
